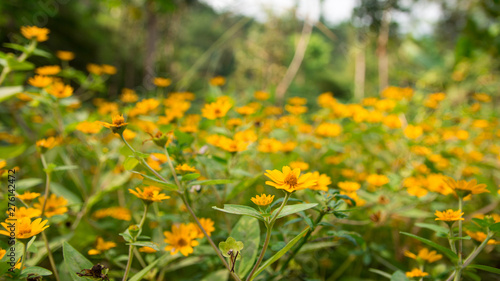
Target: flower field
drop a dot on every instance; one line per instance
(225, 185)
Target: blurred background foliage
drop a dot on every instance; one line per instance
(188, 41)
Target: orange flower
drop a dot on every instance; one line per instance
(289, 180)
(40, 34)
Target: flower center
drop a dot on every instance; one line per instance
(291, 180)
(182, 243)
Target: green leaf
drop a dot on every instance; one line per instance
(40, 271)
(280, 253)
(75, 262)
(148, 180)
(485, 268)
(433, 227)
(219, 275)
(11, 151)
(62, 191)
(183, 139)
(380, 272)
(139, 275)
(27, 183)
(399, 276)
(495, 227)
(189, 177)
(291, 209)
(130, 163)
(247, 229)
(210, 182)
(230, 245)
(141, 155)
(145, 244)
(7, 93)
(66, 167)
(240, 210)
(442, 249)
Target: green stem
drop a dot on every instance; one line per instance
(458, 271)
(47, 184)
(143, 161)
(49, 254)
(452, 242)
(172, 169)
(460, 241)
(129, 263)
(210, 241)
(131, 248)
(46, 196)
(4, 73)
(23, 260)
(477, 251)
(304, 241)
(268, 236)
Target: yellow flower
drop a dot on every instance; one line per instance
(181, 239)
(162, 82)
(231, 145)
(48, 143)
(481, 236)
(349, 186)
(24, 212)
(261, 95)
(128, 134)
(65, 55)
(207, 224)
(416, 273)
(269, 145)
(101, 246)
(216, 109)
(54, 206)
(118, 213)
(482, 97)
(144, 107)
(24, 228)
(118, 125)
(424, 254)
(392, 121)
(218, 81)
(59, 90)
(328, 130)
(296, 109)
(149, 194)
(35, 32)
(185, 168)
(463, 188)
(27, 196)
(234, 122)
(108, 69)
(147, 250)
(40, 81)
(322, 181)
(449, 215)
(413, 132)
(246, 110)
(48, 70)
(289, 180)
(89, 127)
(94, 69)
(262, 200)
(297, 101)
(377, 180)
(300, 165)
(128, 95)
